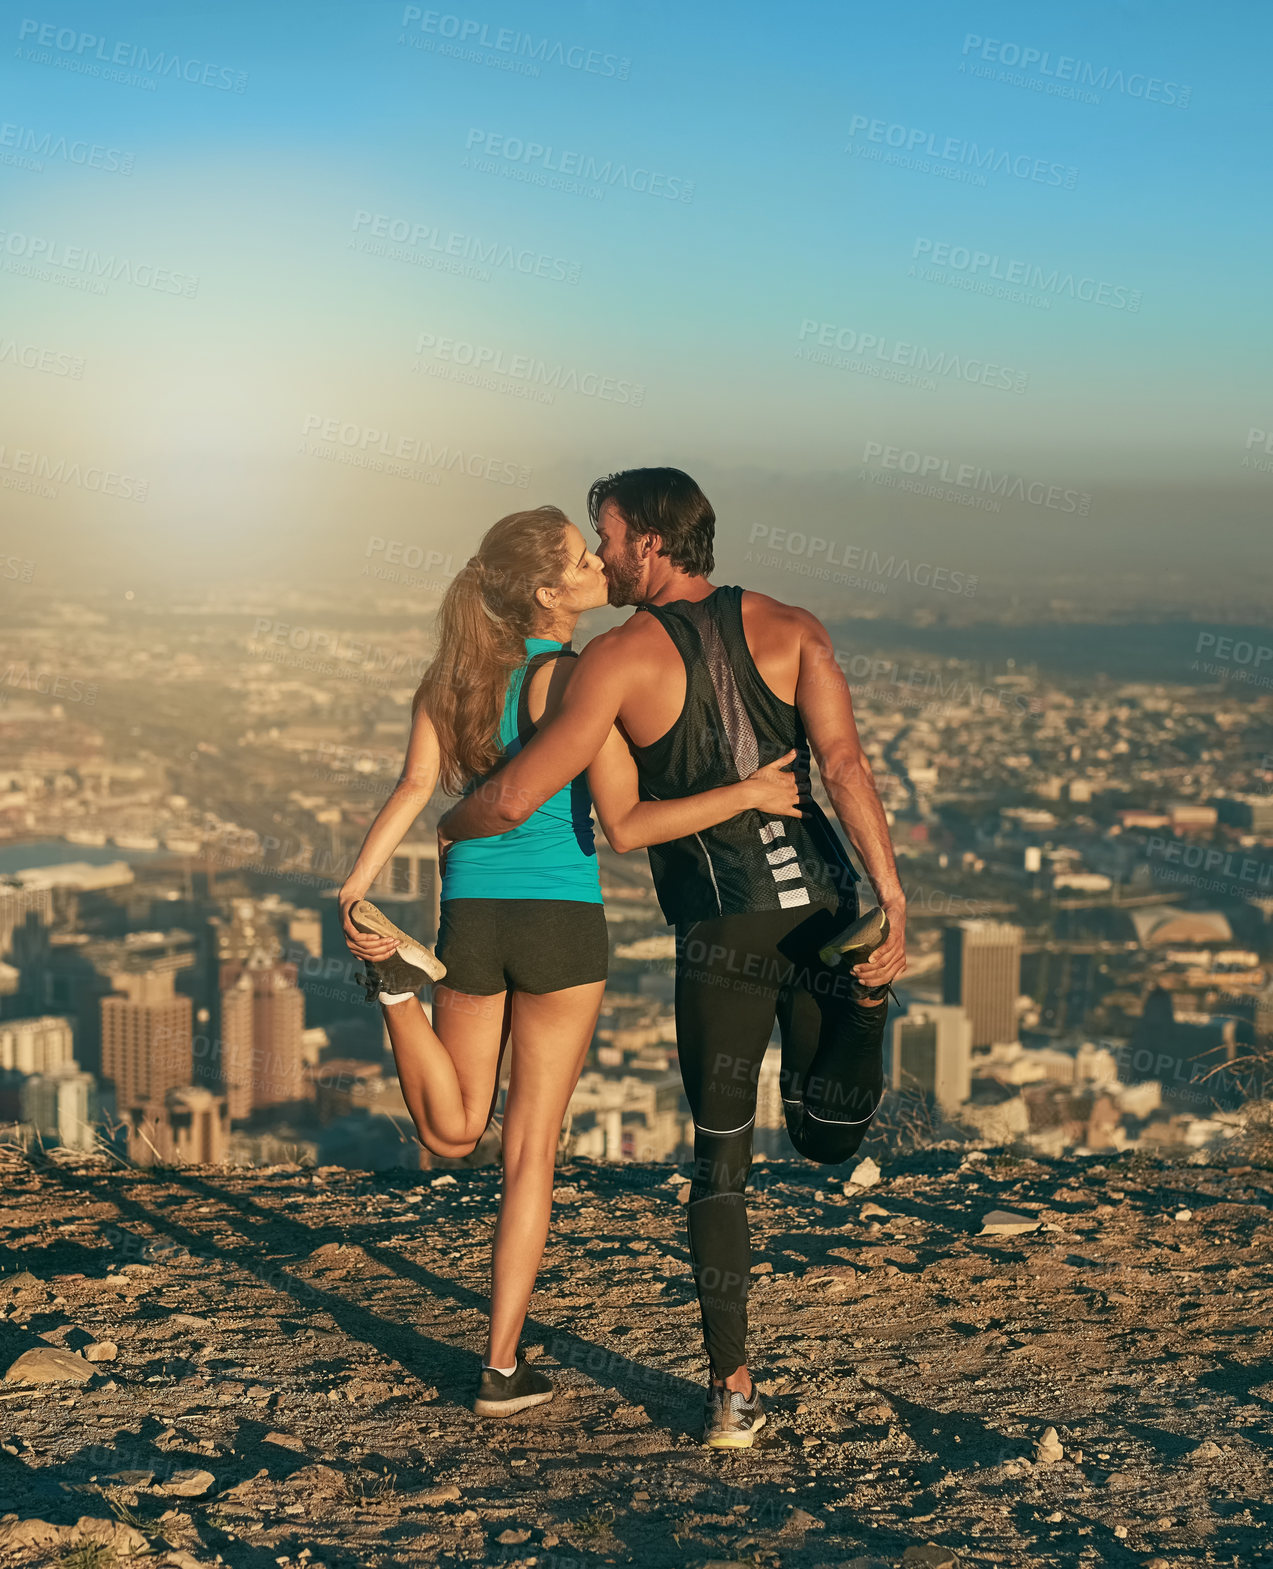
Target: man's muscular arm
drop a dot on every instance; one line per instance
(562, 748)
(826, 708)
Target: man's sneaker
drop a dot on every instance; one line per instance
(404, 971)
(854, 944)
(501, 1394)
(731, 1421)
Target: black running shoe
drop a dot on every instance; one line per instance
(854, 944)
(501, 1394)
(730, 1420)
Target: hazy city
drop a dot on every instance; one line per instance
(1088, 864)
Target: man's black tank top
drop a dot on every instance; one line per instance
(733, 723)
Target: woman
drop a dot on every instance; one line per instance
(522, 939)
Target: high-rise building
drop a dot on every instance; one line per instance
(236, 1043)
(262, 1015)
(262, 1022)
(80, 971)
(932, 1054)
(38, 1045)
(982, 976)
(147, 1037)
(61, 1105)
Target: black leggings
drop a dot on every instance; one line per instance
(734, 973)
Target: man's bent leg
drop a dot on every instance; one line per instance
(833, 1063)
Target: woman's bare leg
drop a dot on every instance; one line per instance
(449, 1070)
(553, 1032)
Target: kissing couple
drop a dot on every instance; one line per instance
(689, 729)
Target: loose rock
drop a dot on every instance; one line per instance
(49, 1365)
(1004, 1223)
(446, 1494)
(187, 1484)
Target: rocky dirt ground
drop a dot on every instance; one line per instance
(273, 1367)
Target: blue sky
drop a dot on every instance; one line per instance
(790, 228)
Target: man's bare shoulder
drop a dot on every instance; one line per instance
(622, 642)
(793, 620)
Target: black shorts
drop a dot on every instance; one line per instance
(525, 945)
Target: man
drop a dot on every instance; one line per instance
(709, 684)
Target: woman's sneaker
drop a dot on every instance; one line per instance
(501, 1394)
(404, 971)
(732, 1421)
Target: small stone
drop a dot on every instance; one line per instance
(1004, 1223)
(512, 1537)
(191, 1321)
(447, 1494)
(1183, 1214)
(1120, 1531)
(187, 1484)
(1119, 1481)
(1055, 1517)
(762, 1269)
(683, 1196)
(285, 1440)
(1207, 1450)
(445, 1180)
(551, 1539)
(1048, 1450)
(864, 1175)
(49, 1365)
(132, 1478)
(871, 1209)
(101, 1351)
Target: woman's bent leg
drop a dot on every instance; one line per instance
(554, 1031)
(449, 1070)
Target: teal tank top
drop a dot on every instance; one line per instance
(552, 855)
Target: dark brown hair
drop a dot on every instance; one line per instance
(666, 502)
